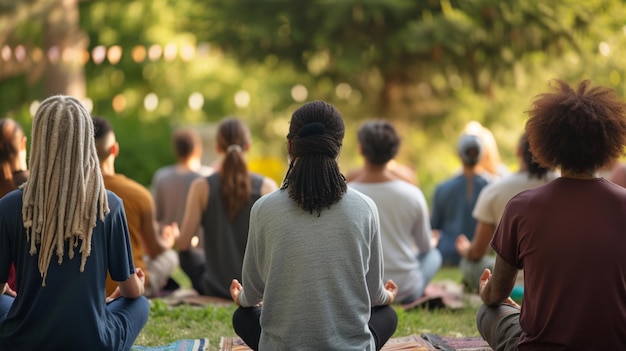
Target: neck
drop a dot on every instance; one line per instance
(107, 167)
(192, 164)
(577, 175)
(374, 174)
(19, 164)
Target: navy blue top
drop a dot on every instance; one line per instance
(69, 313)
(452, 213)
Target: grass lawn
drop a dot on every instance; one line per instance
(167, 324)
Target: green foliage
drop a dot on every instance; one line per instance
(429, 66)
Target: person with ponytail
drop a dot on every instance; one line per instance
(63, 211)
(312, 275)
(220, 204)
(13, 168)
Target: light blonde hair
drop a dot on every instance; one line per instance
(65, 194)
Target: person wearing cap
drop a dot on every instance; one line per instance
(454, 200)
(488, 210)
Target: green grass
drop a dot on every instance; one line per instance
(167, 324)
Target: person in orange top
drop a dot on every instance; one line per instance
(152, 251)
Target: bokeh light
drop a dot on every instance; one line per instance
(119, 103)
(196, 101)
(151, 102)
(299, 92)
(242, 99)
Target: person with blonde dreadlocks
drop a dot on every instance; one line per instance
(63, 211)
(314, 254)
(221, 203)
(152, 251)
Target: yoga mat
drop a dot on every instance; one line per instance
(403, 343)
(178, 345)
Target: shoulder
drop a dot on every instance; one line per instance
(356, 198)
(268, 185)
(12, 200)
(128, 189)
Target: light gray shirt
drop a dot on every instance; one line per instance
(405, 231)
(317, 276)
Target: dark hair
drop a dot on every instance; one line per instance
(11, 135)
(101, 128)
(534, 169)
(577, 130)
(184, 141)
(379, 141)
(315, 136)
(233, 137)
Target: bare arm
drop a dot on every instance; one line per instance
(197, 200)
(6, 289)
(268, 186)
(133, 287)
(477, 248)
(496, 289)
(154, 243)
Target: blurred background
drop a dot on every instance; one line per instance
(429, 66)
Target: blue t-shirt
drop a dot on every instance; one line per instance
(452, 213)
(69, 313)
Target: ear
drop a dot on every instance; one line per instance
(23, 143)
(247, 147)
(115, 149)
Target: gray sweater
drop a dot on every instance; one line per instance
(317, 276)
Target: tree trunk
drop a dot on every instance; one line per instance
(65, 44)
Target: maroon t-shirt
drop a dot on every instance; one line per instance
(569, 236)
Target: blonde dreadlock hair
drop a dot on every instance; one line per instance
(65, 194)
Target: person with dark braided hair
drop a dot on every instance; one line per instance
(568, 235)
(220, 204)
(314, 258)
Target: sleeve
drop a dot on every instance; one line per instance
(505, 239)
(482, 211)
(5, 249)
(436, 219)
(120, 255)
(422, 231)
(377, 292)
(251, 278)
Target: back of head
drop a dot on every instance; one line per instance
(315, 138)
(379, 141)
(103, 136)
(577, 129)
(65, 194)
(11, 135)
(184, 142)
(470, 149)
(233, 138)
(534, 169)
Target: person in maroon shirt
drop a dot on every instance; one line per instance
(569, 235)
